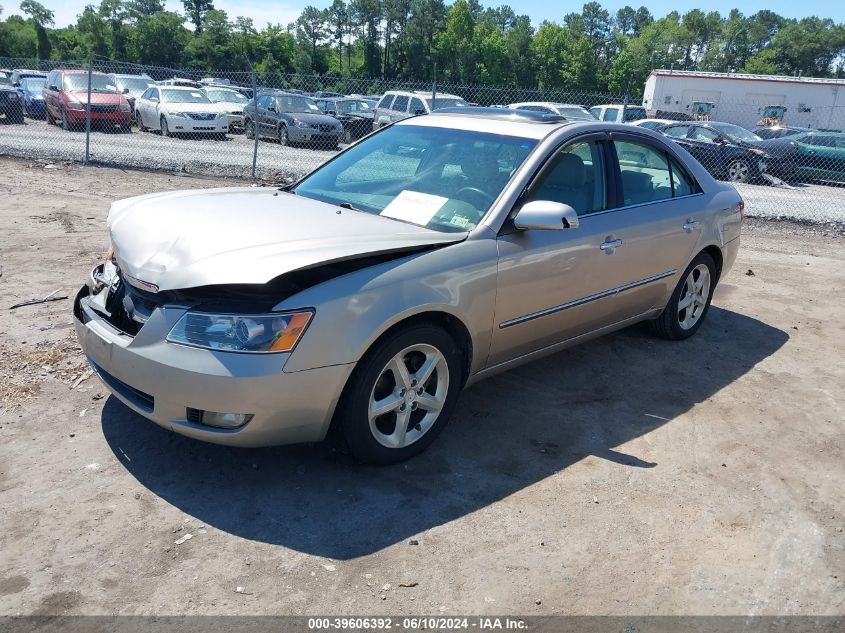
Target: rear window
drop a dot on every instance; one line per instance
(635, 113)
(445, 102)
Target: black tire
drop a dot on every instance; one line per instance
(50, 119)
(669, 325)
(284, 141)
(65, 122)
(249, 129)
(140, 122)
(352, 414)
(16, 117)
(165, 129)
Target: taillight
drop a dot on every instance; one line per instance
(741, 209)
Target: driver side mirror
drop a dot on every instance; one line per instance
(332, 112)
(153, 99)
(271, 108)
(419, 111)
(126, 91)
(52, 87)
(546, 215)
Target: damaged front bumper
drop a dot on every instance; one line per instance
(169, 383)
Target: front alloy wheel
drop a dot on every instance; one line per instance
(165, 130)
(739, 171)
(283, 135)
(401, 394)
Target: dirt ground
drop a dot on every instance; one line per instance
(627, 476)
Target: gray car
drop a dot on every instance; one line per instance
(291, 118)
(434, 253)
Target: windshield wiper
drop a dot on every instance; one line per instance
(350, 206)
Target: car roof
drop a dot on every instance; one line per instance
(425, 94)
(534, 125)
(555, 104)
(182, 88)
(128, 75)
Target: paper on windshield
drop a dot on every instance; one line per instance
(414, 207)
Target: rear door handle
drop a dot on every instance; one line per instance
(690, 225)
(610, 245)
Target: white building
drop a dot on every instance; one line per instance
(740, 98)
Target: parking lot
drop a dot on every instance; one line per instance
(629, 475)
(232, 158)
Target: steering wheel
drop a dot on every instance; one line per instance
(487, 199)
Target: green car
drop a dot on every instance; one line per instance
(820, 155)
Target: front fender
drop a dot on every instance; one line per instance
(353, 310)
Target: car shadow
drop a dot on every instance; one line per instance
(508, 432)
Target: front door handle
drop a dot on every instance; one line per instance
(610, 245)
(690, 225)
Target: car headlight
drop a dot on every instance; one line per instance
(180, 115)
(124, 107)
(75, 105)
(759, 152)
(253, 333)
(13, 96)
(299, 123)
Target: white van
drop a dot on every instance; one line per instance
(396, 105)
(613, 112)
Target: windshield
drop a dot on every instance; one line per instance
(634, 113)
(184, 96)
(353, 106)
(227, 96)
(576, 114)
(133, 84)
(736, 133)
(445, 102)
(440, 178)
(34, 84)
(292, 103)
(99, 83)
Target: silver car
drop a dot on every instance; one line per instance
(431, 254)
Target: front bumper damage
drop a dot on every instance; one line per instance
(164, 382)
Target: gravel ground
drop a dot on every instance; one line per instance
(232, 158)
(627, 476)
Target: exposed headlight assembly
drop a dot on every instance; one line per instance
(249, 333)
(124, 106)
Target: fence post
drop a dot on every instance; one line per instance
(625, 103)
(88, 115)
(434, 88)
(254, 115)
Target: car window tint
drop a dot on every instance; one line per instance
(574, 176)
(682, 182)
(385, 102)
(645, 173)
(678, 131)
(611, 114)
(401, 103)
(823, 141)
(416, 106)
(596, 112)
(704, 135)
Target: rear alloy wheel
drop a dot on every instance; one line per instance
(283, 135)
(739, 170)
(165, 130)
(690, 301)
(401, 395)
(249, 130)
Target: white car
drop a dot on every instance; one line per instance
(180, 110)
(396, 105)
(571, 111)
(233, 101)
(654, 124)
(619, 113)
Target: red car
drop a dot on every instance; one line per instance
(66, 97)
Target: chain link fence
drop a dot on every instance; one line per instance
(277, 127)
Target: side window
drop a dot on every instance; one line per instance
(265, 101)
(682, 182)
(611, 114)
(154, 93)
(416, 106)
(147, 93)
(596, 112)
(385, 102)
(574, 176)
(645, 173)
(677, 131)
(401, 103)
(704, 135)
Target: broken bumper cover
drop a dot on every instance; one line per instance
(162, 381)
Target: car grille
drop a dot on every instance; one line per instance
(130, 307)
(202, 116)
(103, 109)
(143, 401)
(323, 127)
(203, 129)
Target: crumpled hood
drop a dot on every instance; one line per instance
(246, 235)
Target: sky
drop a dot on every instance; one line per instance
(285, 11)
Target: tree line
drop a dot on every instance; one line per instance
(464, 42)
